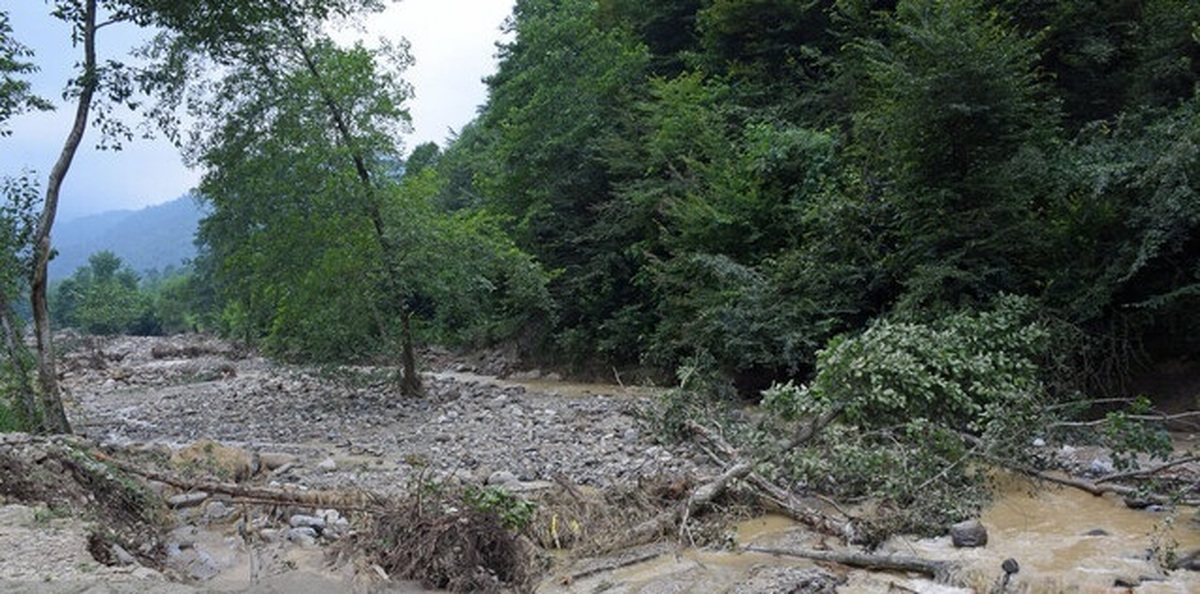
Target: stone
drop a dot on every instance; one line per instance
(1039, 443)
(303, 536)
(306, 521)
(217, 511)
(327, 465)
(969, 534)
(1097, 532)
(121, 557)
(502, 478)
(789, 580)
(183, 500)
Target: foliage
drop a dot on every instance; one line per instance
(514, 512)
(103, 297)
(906, 394)
(15, 95)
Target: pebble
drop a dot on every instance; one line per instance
(327, 465)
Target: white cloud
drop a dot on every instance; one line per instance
(454, 43)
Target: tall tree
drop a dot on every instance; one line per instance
(82, 16)
(558, 99)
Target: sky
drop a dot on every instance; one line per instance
(453, 42)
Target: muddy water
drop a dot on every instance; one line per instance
(1064, 539)
(1068, 540)
(547, 386)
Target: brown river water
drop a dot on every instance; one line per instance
(1064, 539)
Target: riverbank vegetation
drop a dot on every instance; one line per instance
(924, 232)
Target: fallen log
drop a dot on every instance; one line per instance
(341, 500)
(773, 497)
(699, 498)
(1097, 488)
(938, 570)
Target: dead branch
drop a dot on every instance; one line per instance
(1146, 471)
(341, 500)
(1087, 486)
(773, 497)
(1151, 418)
(939, 570)
(700, 497)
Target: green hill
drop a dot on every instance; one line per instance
(148, 239)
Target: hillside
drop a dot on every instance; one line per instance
(148, 239)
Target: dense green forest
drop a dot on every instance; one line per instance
(738, 186)
(917, 232)
(734, 183)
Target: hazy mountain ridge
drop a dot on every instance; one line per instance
(148, 239)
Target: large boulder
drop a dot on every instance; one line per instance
(969, 534)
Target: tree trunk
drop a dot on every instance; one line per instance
(54, 416)
(411, 383)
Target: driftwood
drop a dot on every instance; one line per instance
(772, 496)
(1101, 486)
(700, 497)
(938, 570)
(341, 500)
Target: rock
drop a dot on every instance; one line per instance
(303, 536)
(969, 534)
(122, 557)
(1097, 532)
(1010, 566)
(327, 465)
(1127, 582)
(1039, 443)
(183, 500)
(275, 460)
(1133, 502)
(502, 478)
(1099, 467)
(305, 521)
(217, 511)
(1190, 561)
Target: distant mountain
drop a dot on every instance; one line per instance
(148, 239)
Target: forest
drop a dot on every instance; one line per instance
(945, 224)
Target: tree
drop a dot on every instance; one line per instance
(15, 95)
(558, 100)
(954, 118)
(103, 297)
(16, 227)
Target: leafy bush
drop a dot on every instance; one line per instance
(955, 372)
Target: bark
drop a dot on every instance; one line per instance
(54, 418)
(772, 496)
(939, 570)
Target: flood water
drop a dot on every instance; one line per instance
(1064, 539)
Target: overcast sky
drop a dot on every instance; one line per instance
(453, 41)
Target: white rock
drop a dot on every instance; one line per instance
(327, 465)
